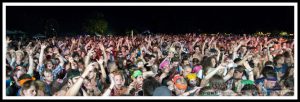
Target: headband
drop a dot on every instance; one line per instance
(196, 69)
(21, 82)
(191, 76)
(181, 86)
(136, 74)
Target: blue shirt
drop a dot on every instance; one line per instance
(282, 69)
(54, 72)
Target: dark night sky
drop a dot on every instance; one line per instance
(157, 19)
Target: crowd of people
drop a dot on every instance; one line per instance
(151, 65)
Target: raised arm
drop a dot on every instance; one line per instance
(100, 62)
(218, 51)
(86, 46)
(112, 84)
(31, 66)
(103, 52)
(249, 71)
(41, 58)
(74, 89)
(72, 45)
(203, 47)
(87, 58)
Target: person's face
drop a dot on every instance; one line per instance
(139, 79)
(186, 62)
(30, 91)
(193, 82)
(288, 60)
(19, 56)
(280, 60)
(175, 64)
(76, 58)
(140, 64)
(171, 54)
(187, 71)
(88, 84)
(50, 51)
(270, 84)
(118, 79)
(197, 49)
(49, 65)
(213, 62)
(237, 75)
(123, 49)
(48, 76)
(92, 75)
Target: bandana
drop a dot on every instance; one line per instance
(179, 85)
(25, 80)
(272, 79)
(163, 64)
(196, 69)
(175, 78)
(191, 76)
(136, 74)
(246, 82)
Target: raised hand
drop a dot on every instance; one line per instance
(100, 61)
(8, 40)
(90, 53)
(112, 80)
(73, 41)
(43, 46)
(90, 67)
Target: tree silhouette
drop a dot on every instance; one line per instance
(96, 25)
